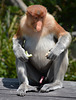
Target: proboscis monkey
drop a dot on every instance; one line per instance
(47, 41)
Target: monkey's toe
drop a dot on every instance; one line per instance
(21, 93)
(23, 88)
(32, 88)
(45, 87)
(54, 88)
(51, 87)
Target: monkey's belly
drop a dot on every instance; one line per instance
(39, 48)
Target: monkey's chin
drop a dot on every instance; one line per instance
(38, 30)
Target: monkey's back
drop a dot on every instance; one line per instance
(38, 47)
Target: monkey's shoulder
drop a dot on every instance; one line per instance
(23, 25)
(49, 15)
(49, 19)
(49, 22)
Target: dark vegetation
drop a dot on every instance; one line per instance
(63, 11)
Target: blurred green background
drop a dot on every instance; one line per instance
(64, 12)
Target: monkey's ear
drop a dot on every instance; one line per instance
(27, 13)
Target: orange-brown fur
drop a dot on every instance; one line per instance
(49, 24)
(36, 9)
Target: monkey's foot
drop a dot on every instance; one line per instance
(51, 86)
(23, 88)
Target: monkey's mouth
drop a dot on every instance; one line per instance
(35, 30)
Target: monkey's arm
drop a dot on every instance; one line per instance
(64, 40)
(17, 47)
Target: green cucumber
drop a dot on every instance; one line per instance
(28, 55)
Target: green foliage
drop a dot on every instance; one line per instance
(71, 72)
(8, 26)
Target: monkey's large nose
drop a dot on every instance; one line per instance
(39, 26)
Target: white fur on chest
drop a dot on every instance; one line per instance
(38, 47)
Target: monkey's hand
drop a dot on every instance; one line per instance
(61, 45)
(51, 55)
(18, 50)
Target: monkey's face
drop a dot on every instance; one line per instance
(36, 22)
(35, 16)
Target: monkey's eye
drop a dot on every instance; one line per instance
(36, 18)
(42, 17)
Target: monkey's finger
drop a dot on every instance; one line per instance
(21, 59)
(50, 55)
(24, 57)
(53, 57)
(21, 93)
(50, 49)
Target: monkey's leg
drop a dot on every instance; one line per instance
(23, 78)
(56, 73)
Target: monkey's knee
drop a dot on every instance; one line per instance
(58, 68)
(27, 73)
(62, 66)
(21, 71)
